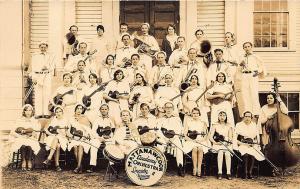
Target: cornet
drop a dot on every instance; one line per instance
(184, 85)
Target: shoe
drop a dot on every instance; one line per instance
(250, 176)
(199, 175)
(58, 169)
(219, 176)
(228, 176)
(181, 171)
(90, 170)
(194, 172)
(76, 170)
(46, 162)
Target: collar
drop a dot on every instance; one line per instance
(248, 54)
(126, 47)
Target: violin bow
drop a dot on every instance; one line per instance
(230, 151)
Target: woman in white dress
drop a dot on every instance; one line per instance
(25, 137)
(108, 70)
(189, 98)
(221, 136)
(68, 91)
(199, 145)
(220, 96)
(248, 143)
(79, 132)
(96, 99)
(117, 94)
(141, 92)
(268, 112)
(57, 137)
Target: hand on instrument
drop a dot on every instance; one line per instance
(243, 63)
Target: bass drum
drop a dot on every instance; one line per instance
(145, 165)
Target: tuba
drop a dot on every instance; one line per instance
(205, 49)
(71, 39)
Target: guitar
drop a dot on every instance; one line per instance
(219, 100)
(86, 99)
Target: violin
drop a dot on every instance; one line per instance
(144, 129)
(193, 134)
(246, 140)
(169, 133)
(53, 129)
(218, 137)
(28, 131)
(114, 94)
(281, 150)
(105, 131)
(58, 99)
(78, 133)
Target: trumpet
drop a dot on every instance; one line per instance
(157, 85)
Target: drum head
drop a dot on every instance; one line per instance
(113, 153)
(145, 165)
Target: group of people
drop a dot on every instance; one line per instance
(127, 92)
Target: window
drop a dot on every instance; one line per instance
(291, 100)
(270, 23)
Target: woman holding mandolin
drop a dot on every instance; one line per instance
(25, 137)
(65, 95)
(220, 96)
(196, 133)
(117, 95)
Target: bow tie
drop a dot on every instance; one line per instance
(248, 54)
(126, 47)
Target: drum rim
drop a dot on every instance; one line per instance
(153, 148)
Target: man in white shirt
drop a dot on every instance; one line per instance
(123, 31)
(42, 65)
(124, 53)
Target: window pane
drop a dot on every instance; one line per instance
(295, 117)
(257, 5)
(266, 41)
(266, 5)
(284, 41)
(283, 5)
(257, 41)
(257, 18)
(262, 99)
(266, 29)
(273, 41)
(283, 97)
(257, 29)
(275, 6)
(283, 30)
(274, 18)
(266, 18)
(274, 29)
(293, 101)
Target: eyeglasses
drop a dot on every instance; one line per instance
(168, 106)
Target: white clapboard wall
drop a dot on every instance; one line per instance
(39, 21)
(88, 15)
(211, 19)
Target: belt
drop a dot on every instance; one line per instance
(43, 116)
(247, 72)
(42, 72)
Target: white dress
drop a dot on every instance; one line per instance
(200, 127)
(114, 107)
(223, 130)
(249, 131)
(68, 99)
(164, 94)
(61, 136)
(75, 141)
(18, 140)
(225, 105)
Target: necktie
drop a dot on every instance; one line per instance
(127, 131)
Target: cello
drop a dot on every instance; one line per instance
(281, 150)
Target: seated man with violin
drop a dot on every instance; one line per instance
(146, 125)
(57, 137)
(79, 134)
(126, 136)
(102, 133)
(248, 143)
(171, 130)
(195, 131)
(25, 137)
(134, 67)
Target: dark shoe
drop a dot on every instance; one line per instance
(228, 176)
(90, 170)
(219, 176)
(181, 171)
(58, 169)
(250, 176)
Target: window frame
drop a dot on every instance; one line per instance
(290, 34)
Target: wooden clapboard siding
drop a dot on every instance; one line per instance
(39, 23)
(211, 19)
(88, 16)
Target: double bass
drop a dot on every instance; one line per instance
(281, 150)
